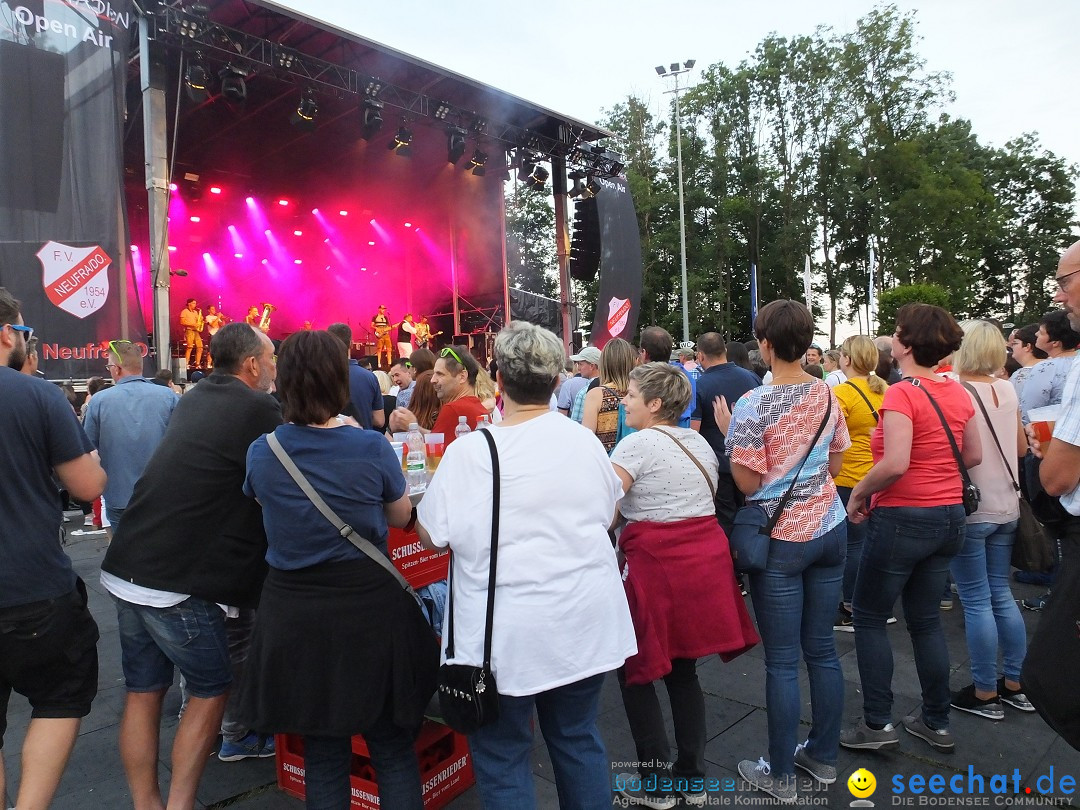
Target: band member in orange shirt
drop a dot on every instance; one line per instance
(191, 319)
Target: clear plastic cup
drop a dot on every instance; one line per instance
(1043, 420)
(435, 446)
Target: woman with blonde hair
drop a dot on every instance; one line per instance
(860, 399)
(981, 568)
(487, 393)
(389, 401)
(602, 413)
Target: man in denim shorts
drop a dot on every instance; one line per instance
(48, 639)
(189, 551)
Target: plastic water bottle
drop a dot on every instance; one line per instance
(416, 460)
(485, 421)
(462, 428)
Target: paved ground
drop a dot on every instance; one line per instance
(736, 726)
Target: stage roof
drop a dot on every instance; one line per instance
(284, 53)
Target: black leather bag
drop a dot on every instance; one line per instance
(468, 695)
(751, 532)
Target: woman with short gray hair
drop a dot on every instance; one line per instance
(679, 581)
(561, 620)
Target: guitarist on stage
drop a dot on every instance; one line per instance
(424, 334)
(191, 318)
(406, 336)
(381, 326)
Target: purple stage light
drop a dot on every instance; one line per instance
(215, 190)
(282, 202)
(134, 248)
(238, 255)
(196, 219)
(371, 243)
(172, 186)
(343, 213)
(408, 224)
(298, 261)
(172, 247)
(297, 233)
(315, 211)
(249, 200)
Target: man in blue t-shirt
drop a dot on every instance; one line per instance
(48, 646)
(365, 395)
(719, 378)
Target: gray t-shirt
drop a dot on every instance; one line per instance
(667, 486)
(1044, 384)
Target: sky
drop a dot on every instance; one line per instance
(1015, 64)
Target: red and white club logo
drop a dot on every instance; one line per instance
(618, 313)
(76, 279)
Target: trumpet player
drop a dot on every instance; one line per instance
(191, 319)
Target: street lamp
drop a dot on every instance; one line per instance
(674, 70)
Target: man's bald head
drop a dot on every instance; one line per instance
(1068, 283)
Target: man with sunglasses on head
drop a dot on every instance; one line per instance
(454, 379)
(48, 639)
(126, 423)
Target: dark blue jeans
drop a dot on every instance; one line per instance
(501, 751)
(328, 760)
(906, 555)
(795, 600)
(856, 536)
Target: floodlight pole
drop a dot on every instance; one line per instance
(682, 208)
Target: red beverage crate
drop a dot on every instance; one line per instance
(445, 767)
(419, 565)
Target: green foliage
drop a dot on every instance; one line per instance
(530, 243)
(828, 145)
(890, 301)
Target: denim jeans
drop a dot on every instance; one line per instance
(906, 554)
(327, 763)
(238, 634)
(795, 601)
(567, 717)
(687, 715)
(981, 571)
(856, 536)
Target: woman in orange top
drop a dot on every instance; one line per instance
(860, 399)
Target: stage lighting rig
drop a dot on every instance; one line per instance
(592, 188)
(578, 187)
(372, 86)
(442, 109)
(455, 144)
(478, 163)
(538, 178)
(306, 110)
(402, 143)
(197, 80)
(371, 118)
(526, 162)
(233, 83)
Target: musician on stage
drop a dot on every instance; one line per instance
(423, 333)
(406, 336)
(214, 321)
(252, 318)
(381, 326)
(191, 319)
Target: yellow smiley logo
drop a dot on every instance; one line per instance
(862, 784)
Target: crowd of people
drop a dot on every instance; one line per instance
(609, 483)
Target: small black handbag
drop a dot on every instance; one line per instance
(751, 532)
(468, 695)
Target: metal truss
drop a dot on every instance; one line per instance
(179, 28)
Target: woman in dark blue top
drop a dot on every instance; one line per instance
(340, 649)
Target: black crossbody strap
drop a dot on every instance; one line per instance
(993, 433)
(493, 559)
(864, 398)
(948, 433)
(787, 495)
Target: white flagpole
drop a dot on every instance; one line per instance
(871, 312)
(806, 284)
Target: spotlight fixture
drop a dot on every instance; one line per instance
(538, 178)
(592, 188)
(285, 58)
(442, 109)
(455, 144)
(307, 108)
(526, 162)
(371, 118)
(402, 141)
(373, 86)
(478, 163)
(478, 125)
(197, 80)
(578, 187)
(233, 84)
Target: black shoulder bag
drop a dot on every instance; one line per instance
(1032, 550)
(970, 492)
(751, 532)
(865, 399)
(468, 696)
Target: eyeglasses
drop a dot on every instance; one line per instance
(449, 352)
(1060, 279)
(27, 331)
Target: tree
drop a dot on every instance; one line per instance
(530, 243)
(890, 301)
